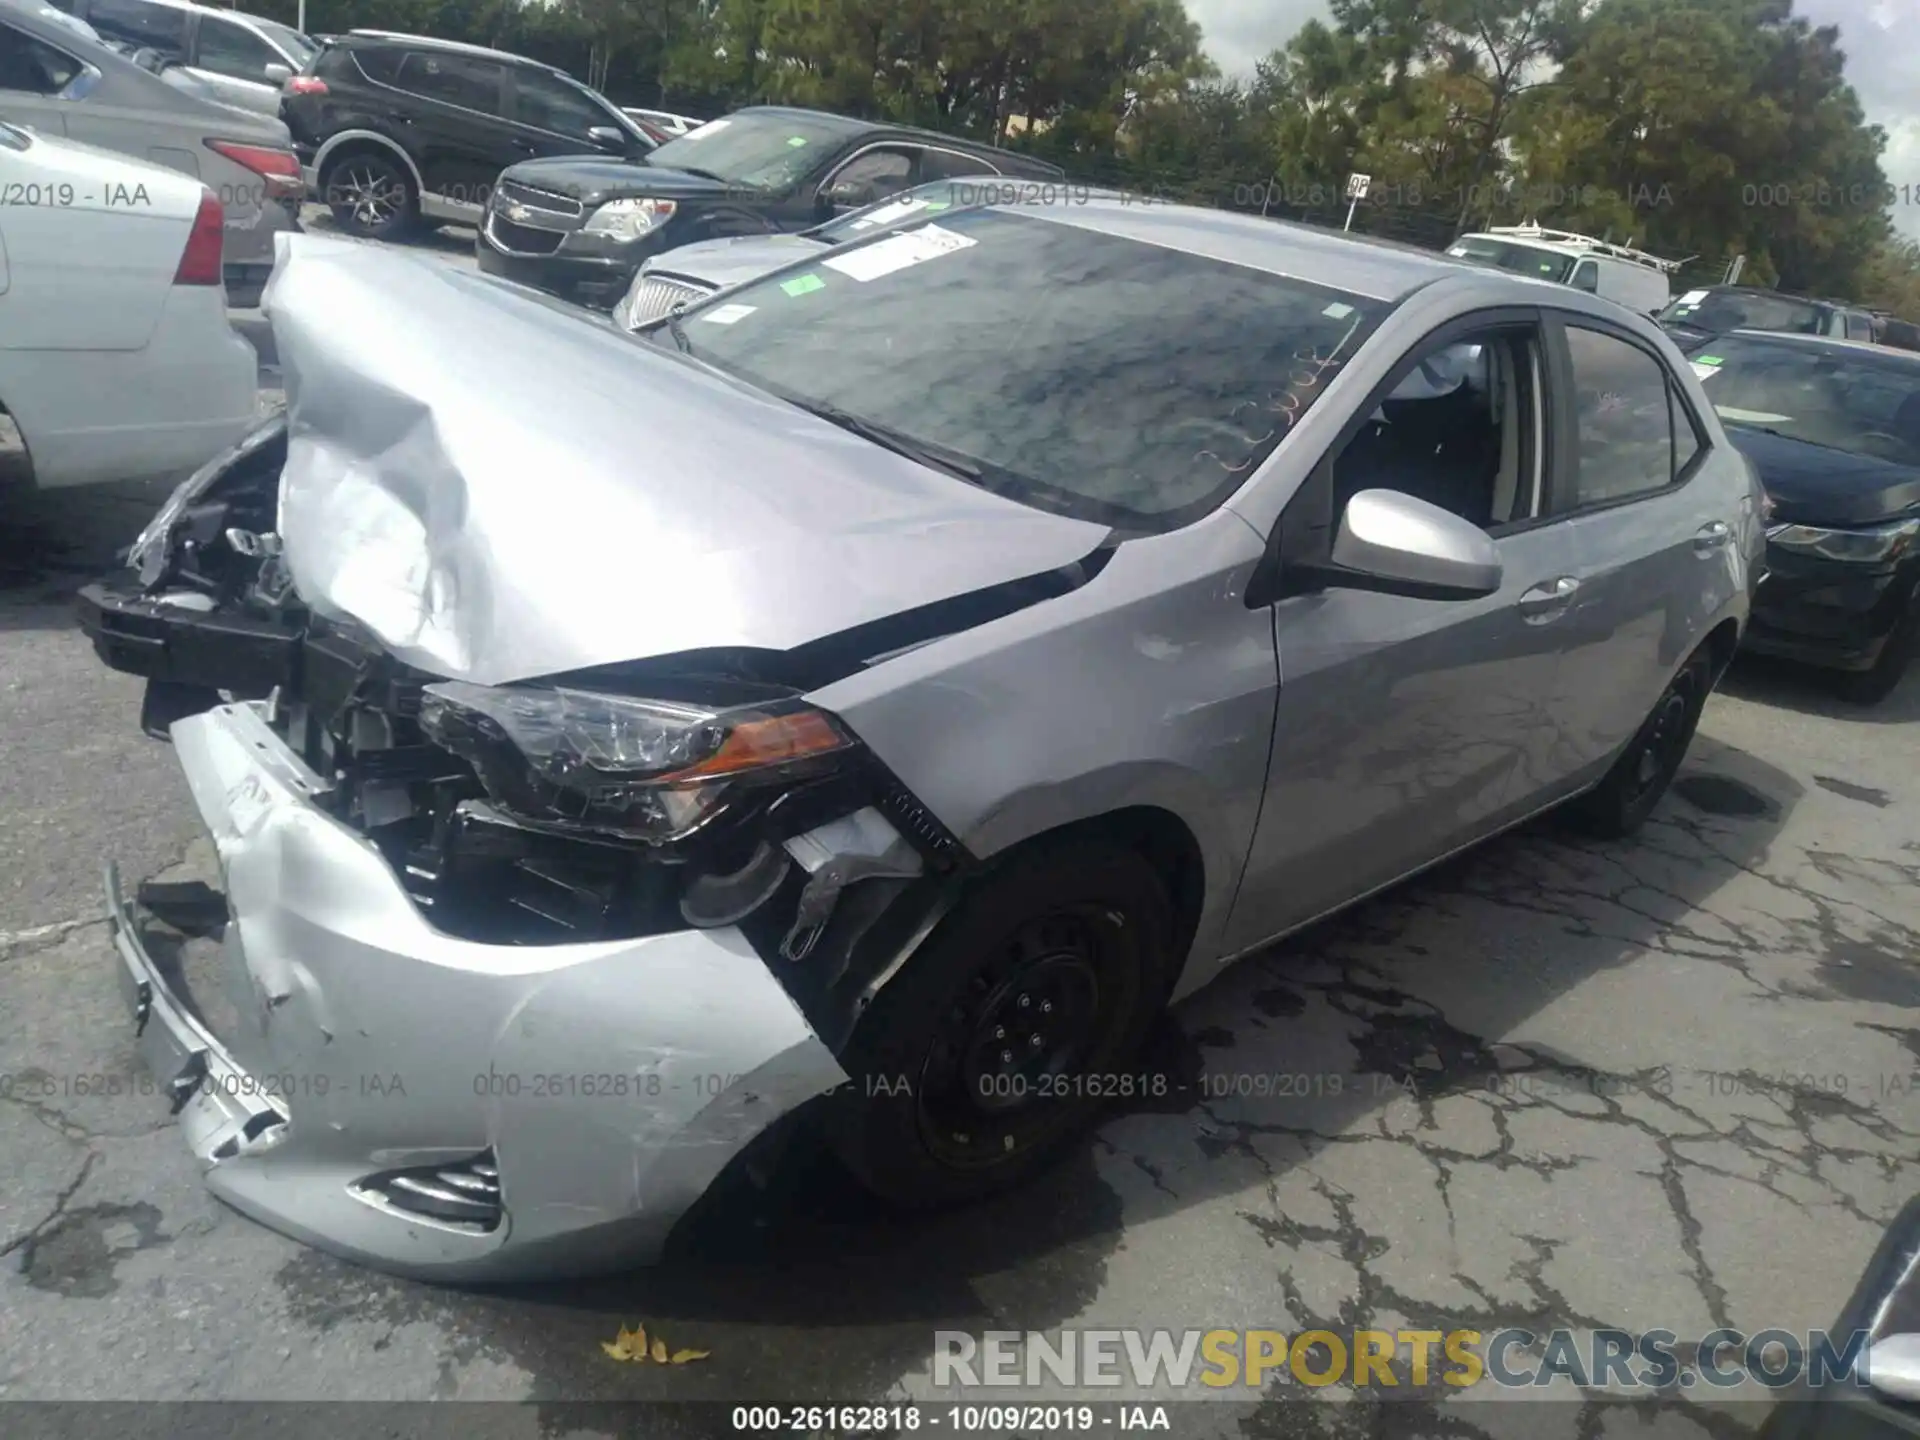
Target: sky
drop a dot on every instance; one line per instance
(1881, 39)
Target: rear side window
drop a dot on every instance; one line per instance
(32, 68)
(1859, 327)
(158, 27)
(380, 66)
(1624, 419)
(1586, 276)
(229, 49)
(455, 79)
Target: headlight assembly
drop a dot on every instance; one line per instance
(1875, 544)
(650, 770)
(629, 219)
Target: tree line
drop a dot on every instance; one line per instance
(1702, 130)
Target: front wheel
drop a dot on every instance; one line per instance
(1621, 803)
(1000, 1041)
(371, 196)
(1870, 687)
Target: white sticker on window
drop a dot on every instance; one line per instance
(1337, 311)
(1704, 371)
(1693, 297)
(727, 314)
(712, 127)
(888, 213)
(1751, 417)
(897, 252)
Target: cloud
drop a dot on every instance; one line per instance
(1881, 39)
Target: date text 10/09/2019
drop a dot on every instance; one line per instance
(994, 1419)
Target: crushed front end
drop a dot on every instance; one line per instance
(518, 969)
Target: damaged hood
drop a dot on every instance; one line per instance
(501, 487)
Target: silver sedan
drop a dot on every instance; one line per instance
(867, 698)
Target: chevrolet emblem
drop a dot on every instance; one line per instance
(519, 213)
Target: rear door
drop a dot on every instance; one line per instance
(457, 127)
(1653, 548)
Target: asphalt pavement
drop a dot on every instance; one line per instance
(1669, 1083)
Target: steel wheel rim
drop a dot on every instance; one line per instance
(1666, 734)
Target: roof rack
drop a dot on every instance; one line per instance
(461, 46)
(1627, 253)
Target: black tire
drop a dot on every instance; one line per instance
(1870, 687)
(1621, 803)
(1086, 930)
(371, 195)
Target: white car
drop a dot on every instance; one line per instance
(116, 358)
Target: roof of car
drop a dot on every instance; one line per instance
(1358, 264)
(434, 42)
(1831, 342)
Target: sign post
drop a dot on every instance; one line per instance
(1356, 192)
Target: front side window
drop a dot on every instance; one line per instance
(1457, 432)
(1125, 383)
(299, 49)
(547, 103)
(1623, 415)
(33, 68)
(1846, 400)
(455, 79)
(760, 149)
(871, 177)
(950, 165)
(234, 50)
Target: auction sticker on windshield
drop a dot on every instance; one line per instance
(897, 252)
(727, 314)
(803, 284)
(894, 211)
(1707, 366)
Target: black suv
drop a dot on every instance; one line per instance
(1716, 309)
(393, 129)
(579, 228)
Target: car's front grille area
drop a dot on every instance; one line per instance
(522, 239)
(465, 1194)
(654, 297)
(512, 192)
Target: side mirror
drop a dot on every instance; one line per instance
(1864, 1382)
(278, 74)
(608, 135)
(1397, 545)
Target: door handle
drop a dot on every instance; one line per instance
(1548, 601)
(1709, 538)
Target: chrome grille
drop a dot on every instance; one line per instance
(466, 1193)
(512, 192)
(652, 298)
(521, 239)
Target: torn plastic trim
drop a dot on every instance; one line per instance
(863, 846)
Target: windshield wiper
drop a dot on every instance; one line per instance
(936, 457)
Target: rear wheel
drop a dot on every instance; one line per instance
(1621, 802)
(1870, 687)
(371, 195)
(1003, 1037)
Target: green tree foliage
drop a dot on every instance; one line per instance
(1698, 128)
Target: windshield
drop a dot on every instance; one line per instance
(1521, 259)
(768, 150)
(1104, 378)
(1854, 401)
(1719, 310)
(288, 39)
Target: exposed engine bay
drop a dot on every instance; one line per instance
(551, 814)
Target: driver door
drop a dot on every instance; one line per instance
(1408, 728)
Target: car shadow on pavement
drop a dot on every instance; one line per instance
(804, 1288)
(1810, 691)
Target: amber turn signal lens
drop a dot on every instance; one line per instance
(772, 740)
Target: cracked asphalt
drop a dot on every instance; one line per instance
(1672, 1083)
